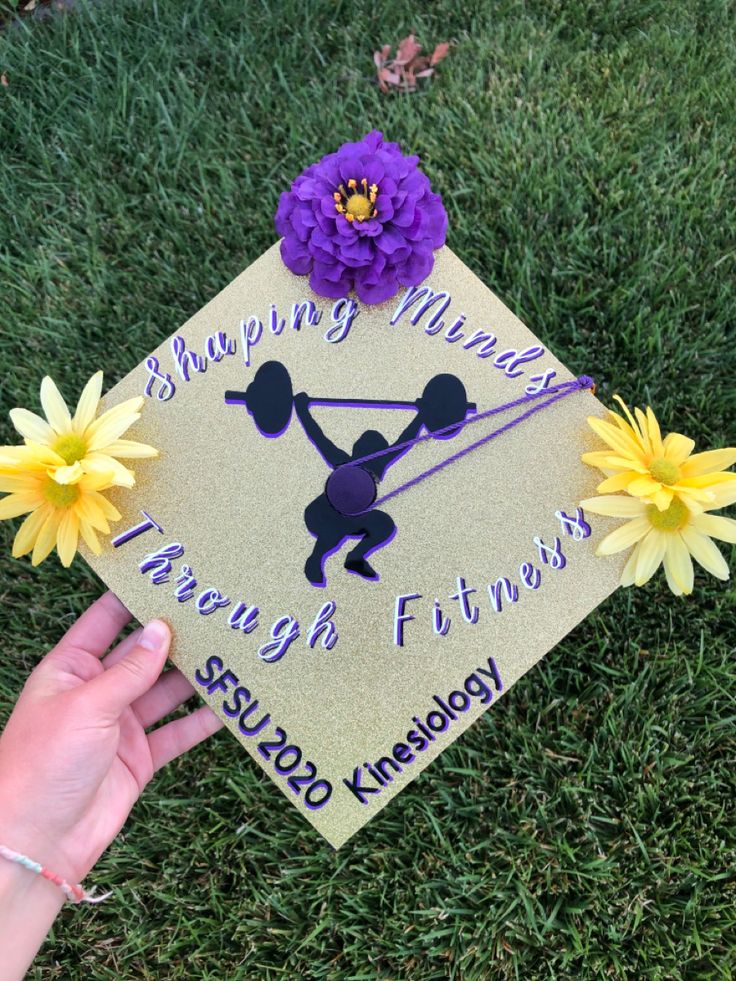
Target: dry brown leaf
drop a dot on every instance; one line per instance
(386, 77)
(408, 50)
(439, 53)
(402, 71)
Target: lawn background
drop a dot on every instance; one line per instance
(584, 828)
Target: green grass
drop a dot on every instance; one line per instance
(585, 827)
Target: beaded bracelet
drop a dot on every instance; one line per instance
(75, 894)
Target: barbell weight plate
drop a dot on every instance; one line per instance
(443, 402)
(270, 398)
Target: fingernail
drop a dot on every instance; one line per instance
(155, 635)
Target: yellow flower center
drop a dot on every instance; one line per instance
(358, 206)
(358, 201)
(71, 448)
(60, 495)
(674, 518)
(665, 471)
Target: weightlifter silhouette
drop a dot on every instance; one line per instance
(343, 510)
(330, 527)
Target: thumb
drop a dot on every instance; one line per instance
(128, 679)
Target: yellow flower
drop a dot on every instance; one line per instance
(59, 473)
(657, 470)
(58, 512)
(78, 444)
(671, 537)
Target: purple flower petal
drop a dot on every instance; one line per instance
(373, 139)
(370, 228)
(376, 292)
(390, 240)
(299, 262)
(325, 242)
(326, 222)
(358, 252)
(373, 171)
(344, 227)
(334, 288)
(327, 206)
(416, 268)
(404, 217)
(351, 168)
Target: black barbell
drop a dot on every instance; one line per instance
(270, 400)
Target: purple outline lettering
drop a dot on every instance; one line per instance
(136, 530)
(166, 388)
(400, 618)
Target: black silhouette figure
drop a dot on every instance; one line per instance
(344, 510)
(330, 526)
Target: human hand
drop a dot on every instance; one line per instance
(75, 755)
(301, 403)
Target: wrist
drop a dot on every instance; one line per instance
(29, 904)
(27, 836)
(26, 888)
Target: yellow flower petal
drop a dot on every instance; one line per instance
(55, 407)
(715, 526)
(95, 482)
(32, 456)
(678, 566)
(623, 537)
(108, 509)
(597, 458)
(651, 552)
(632, 423)
(703, 494)
(624, 463)
(708, 479)
(677, 448)
(705, 553)
(68, 537)
(619, 481)
(18, 482)
(88, 534)
(113, 423)
(655, 437)
(644, 429)
(615, 506)
(89, 511)
(629, 571)
(87, 404)
(625, 427)
(20, 503)
(31, 426)
(693, 506)
(26, 535)
(663, 498)
(722, 496)
(709, 462)
(644, 487)
(130, 450)
(67, 475)
(46, 537)
(100, 463)
(618, 441)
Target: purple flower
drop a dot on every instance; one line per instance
(363, 218)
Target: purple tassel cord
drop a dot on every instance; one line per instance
(557, 392)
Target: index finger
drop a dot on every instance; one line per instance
(98, 626)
